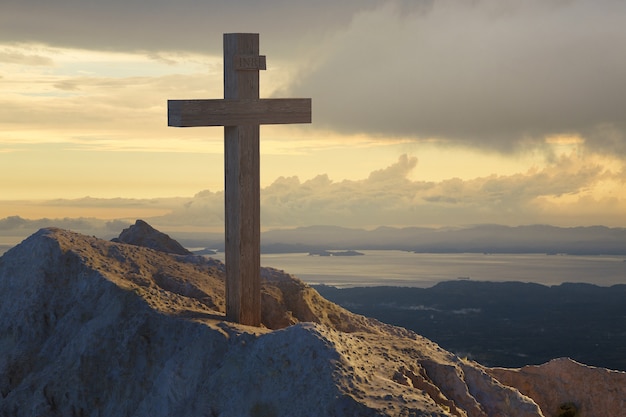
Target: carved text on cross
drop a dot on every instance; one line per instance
(241, 112)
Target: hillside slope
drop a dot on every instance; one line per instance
(96, 328)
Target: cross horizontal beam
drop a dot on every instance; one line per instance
(225, 112)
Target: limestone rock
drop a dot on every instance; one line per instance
(90, 327)
(566, 388)
(142, 234)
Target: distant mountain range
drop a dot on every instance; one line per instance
(486, 238)
(476, 239)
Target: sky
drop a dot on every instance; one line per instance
(425, 113)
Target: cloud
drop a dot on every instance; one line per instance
(568, 192)
(111, 108)
(389, 197)
(162, 25)
(494, 75)
(401, 169)
(205, 209)
(16, 225)
(12, 57)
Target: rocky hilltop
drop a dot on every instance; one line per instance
(90, 327)
(142, 234)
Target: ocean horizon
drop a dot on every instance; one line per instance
(409, 269)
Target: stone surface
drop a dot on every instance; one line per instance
(90, 327)
(566, 388)
(142, 234)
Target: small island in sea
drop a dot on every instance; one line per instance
(336, 253)
(205, 251)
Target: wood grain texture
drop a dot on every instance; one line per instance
(242, 188)
(241, 112)
(243, 224)
(195, 113)
(240, 84)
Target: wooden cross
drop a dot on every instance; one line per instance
(241, 112)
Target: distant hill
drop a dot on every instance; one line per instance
(486, 238)
(477, 239)
(508, 324)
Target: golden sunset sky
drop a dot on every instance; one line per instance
(434, 112)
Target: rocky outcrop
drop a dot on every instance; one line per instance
(96, 328)
(565, 388)
(142, 234)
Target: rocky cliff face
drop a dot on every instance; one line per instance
(96, 328)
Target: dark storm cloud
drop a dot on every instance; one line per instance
(482, 74)
(183, 25)
(497, 74)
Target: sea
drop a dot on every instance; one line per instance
(408, 269)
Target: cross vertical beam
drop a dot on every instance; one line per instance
(242, 189)
(241, 112)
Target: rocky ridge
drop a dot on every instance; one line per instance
(90, 327)
(591, 391)
(142, 234)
